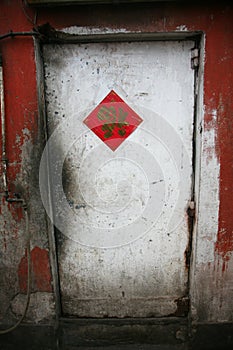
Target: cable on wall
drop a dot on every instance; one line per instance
(12, 34)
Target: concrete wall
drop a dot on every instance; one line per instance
(211, 287)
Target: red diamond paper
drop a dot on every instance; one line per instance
(112, 120)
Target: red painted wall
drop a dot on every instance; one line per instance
(215, 20)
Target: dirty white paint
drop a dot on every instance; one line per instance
(209, 197)
(92, 30)
(124, 234)
(41, 306)
(182, 28)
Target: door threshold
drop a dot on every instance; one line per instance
(115, 331)
(126, 320)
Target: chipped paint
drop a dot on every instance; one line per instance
(41, 275)
(182, 28)
(209, 194)
(224, 242)
(40, 308)
(75, 30)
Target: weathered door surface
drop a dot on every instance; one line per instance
(120, 117)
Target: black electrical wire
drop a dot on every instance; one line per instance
(12, 34)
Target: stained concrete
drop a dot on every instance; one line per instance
(42, 337)
(136, 347)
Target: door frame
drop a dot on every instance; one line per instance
(97, 36)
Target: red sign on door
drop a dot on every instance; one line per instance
(112, 120)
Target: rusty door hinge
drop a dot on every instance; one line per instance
(195, 58)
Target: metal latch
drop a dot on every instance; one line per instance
(195, 58)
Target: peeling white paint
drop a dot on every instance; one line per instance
(26, 132)
(182, 28)
(209, 195)
(75, 30)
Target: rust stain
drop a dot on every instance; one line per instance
(41, 275)
(190, 214)
(225, 263)
(16, 211)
